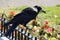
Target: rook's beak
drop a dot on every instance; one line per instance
(43, 11)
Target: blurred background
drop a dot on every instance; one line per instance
(12, 3)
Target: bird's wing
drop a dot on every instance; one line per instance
(26, 14)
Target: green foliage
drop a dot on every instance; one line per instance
(58, 5)
(50, 12)
(15, 9)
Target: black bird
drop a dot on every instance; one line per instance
(23, 18)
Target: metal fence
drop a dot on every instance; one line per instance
(17, 34)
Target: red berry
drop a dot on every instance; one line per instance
(46, 22)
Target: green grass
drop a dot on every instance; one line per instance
(50, 12)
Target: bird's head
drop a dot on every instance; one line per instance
(39, 9)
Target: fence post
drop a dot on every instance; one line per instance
(18, 35)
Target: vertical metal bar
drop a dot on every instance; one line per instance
(0, 29)
(22, 34)
(4, 29)
(28, 37)
(25, 37)
(15, 34)
(18, 35)
(25, 33)
(12, 35)
(34, 38)
(1, 25)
